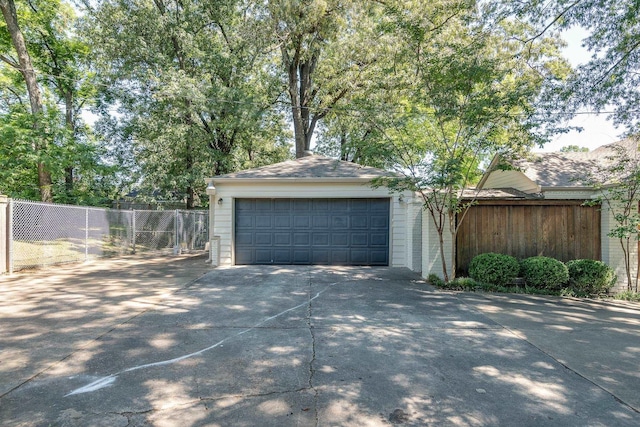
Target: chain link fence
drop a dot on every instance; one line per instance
(42, 234)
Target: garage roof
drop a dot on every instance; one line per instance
(307, 168)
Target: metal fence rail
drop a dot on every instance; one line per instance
(41, 234)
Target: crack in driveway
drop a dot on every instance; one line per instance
(313, 355)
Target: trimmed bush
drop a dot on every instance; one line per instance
(494, 269)
(590, 276)
(544, 273)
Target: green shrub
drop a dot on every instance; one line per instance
(544, 273)
(434, 280)
(494, 269)
(462, 284)
(590, 276)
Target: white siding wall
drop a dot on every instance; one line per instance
(511, 179)
(223, 213)
(431, 260)
(399, 224)
(551, 194)
(414, 235)
(612, 253)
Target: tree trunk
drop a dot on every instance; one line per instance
(68, 171)
(35, 98)
(300, 75)
(440, 228)
(296, 111)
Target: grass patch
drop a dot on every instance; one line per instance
(467, 284)
(628, 296)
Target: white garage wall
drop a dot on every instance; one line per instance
(414, 234)
(431, 259)
(400, 227)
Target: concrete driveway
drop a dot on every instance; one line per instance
(158, 343)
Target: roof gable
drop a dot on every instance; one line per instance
(557, 170)
(310, 167)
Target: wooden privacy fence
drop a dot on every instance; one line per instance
(561, 229)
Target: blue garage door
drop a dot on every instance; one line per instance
(312, 231)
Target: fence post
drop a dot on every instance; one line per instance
(5, 262)
(193, 236)
(133, 231)
(176, 241)
(86, 234)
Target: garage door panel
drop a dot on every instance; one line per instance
(359, 239)
(264, 205)
(244, 222)
(281, 221)
(302, 205)
(359, 256)
(360, 205)
(263, 239)
(244, 238)
(303, 222)
(320, 205)
(301, 239)
(282, 256)
(320, 257)
(320, 239)
(312, 231)
(379, 222)
(263, 256)
(339, 222)
(379, 205)
(359, 222)
(379, 239)
(245, 205)
(379, 257)
(282, 239)
(244, 256)
(302, 256)
(339, 256)
(263, 221)
(281, 205)
(340, 239)
(320, 221)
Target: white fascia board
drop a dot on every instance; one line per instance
(575, 189)
(271, 181)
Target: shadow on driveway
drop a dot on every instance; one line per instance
(307, 346)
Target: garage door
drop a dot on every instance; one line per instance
(312, 231)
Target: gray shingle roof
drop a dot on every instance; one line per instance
(309, 167)
(556, 169)
(565, 169)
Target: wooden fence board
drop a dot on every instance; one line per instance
(564, 230)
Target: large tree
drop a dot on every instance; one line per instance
(609, 78)
(326, 50)
(192, 85)
(56, 144)
(455, 90)
(24, 65)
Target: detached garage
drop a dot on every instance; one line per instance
(312, 211)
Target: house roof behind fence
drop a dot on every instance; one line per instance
(559, 169)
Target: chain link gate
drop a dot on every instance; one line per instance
(42, 234)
